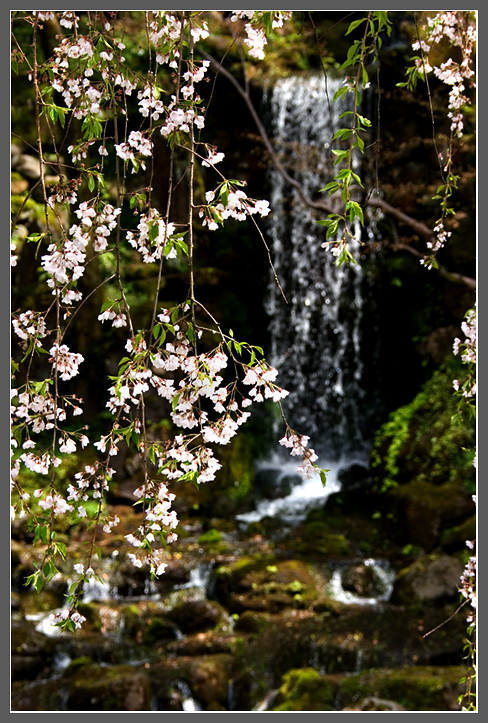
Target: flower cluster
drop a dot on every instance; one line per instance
(137, 145)
(30, 327)
(152, 238)
(106, 222)
(459, 28)
(441, 236)
(38, 411)
(297, 443)
(255, 36)
(233, 204)
(467, 350)
(180, 119)
(65, 616)
(65, 362)
(468, 583)
(93, 481)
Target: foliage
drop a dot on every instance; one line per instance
(108, 91)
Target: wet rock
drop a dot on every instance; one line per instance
(196, 615)
(32, 652)
(129, 581)
(432, 577)
(226, 578)
(207, 678)
(42, 695)
(205, 644)
(412, 688)
(177, 573)
(374, 703)
(101, 649)
(33, 602)
(362, 580)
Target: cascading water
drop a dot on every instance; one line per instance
(320, 339)
(316, 339)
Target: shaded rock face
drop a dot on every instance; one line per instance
(353, 477)
(431, 578)
(272, 484)
(196, 615)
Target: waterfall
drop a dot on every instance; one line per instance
(317, 339)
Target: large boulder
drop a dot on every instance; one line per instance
(430, 578)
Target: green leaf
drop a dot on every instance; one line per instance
(339, 157)
(344, 90)
(61, 549)
(355, 24)
(153, 232)
(342, 134)
(41, 533)
(332, 185)
(323, 477)
(364, 121)
(91, 183)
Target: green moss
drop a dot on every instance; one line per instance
(455, 537)
(304, 689)
(415, 688)
(315, 538)
(210, 536)
(425, 440)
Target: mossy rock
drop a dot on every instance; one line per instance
(272, 587)
(226, 578)
(254, 622)
(454, 538)
(414, 688)
(112, 688)
(304, 689)
(423, 510)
